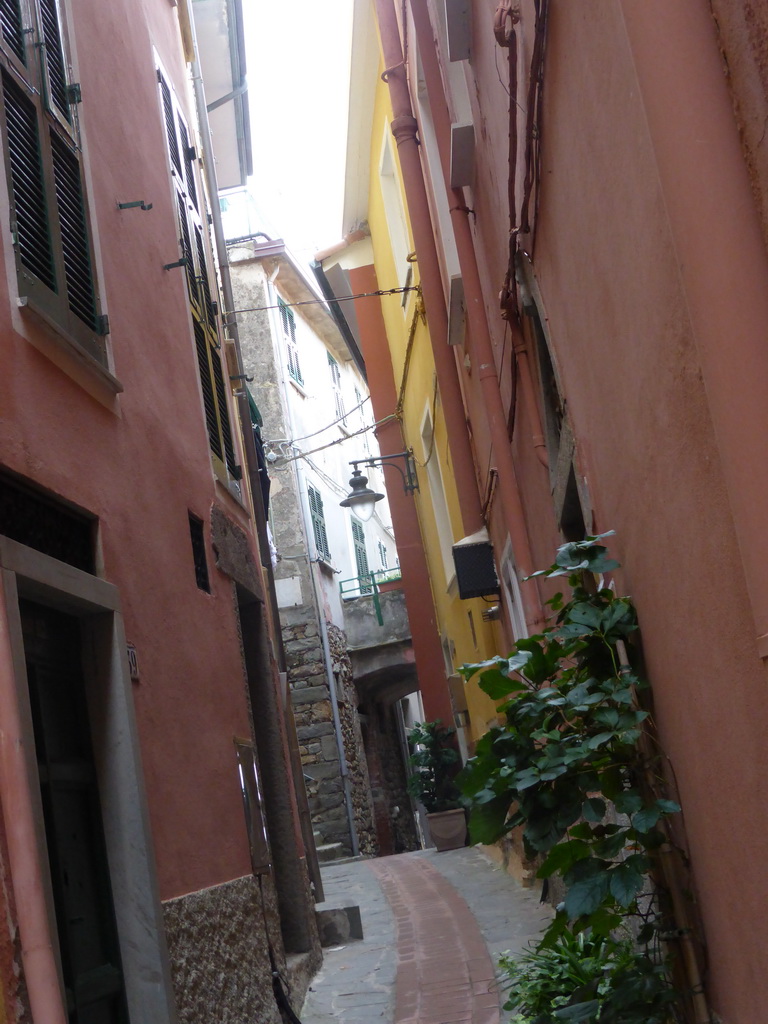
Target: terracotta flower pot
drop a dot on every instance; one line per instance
(448, 829)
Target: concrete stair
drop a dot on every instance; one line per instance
(327, 852)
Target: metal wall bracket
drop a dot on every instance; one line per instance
(183, 262)
(138, 204)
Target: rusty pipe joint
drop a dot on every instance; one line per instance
(504, 20)
(405, 128)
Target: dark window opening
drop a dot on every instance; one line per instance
(572, 523)
(197, 534)
(48, 526)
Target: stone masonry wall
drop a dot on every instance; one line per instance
(315, 730)
(317, 738)
(219, 955)
(357, 765)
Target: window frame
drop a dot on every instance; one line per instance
(69, 301)
(317, 517)
(361, 555)
(338, 397)
(288, 324)
(201, 282)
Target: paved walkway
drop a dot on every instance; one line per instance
(426, 957)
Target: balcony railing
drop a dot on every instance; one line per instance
(370, 584)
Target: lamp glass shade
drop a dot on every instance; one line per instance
(364, 509)
(361, 499)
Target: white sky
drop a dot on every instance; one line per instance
(298, 90)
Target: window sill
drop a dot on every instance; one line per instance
(65, 351)
(295, 384)
(327, 566)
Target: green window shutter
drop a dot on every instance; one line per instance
(361, 557)
(49, 214)
(188, 154)
(318, 522)
(74, 232)
(206, 385)
(185, 241)
(221, 401)
(288, 322)
(33, 237)
(54, 57)
(204, 279)
(211, 363)
(12, 28)
(170, 122)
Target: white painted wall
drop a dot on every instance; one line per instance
(323, 446)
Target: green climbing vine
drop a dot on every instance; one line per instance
(570, 769)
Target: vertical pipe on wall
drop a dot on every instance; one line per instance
(404, 128)
(40, 969)
(425, 634)
(476, 320)
(303, 846)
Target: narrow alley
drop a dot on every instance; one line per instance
(426, 957)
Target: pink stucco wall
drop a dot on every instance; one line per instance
(667, 438)
(139, 461)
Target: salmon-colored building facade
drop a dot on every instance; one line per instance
(594, 176)
(140, 699)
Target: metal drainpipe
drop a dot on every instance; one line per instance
(300, 806)
(477, 324)
(343, 765)
(404, 129)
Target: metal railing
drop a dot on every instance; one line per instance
(368, 585)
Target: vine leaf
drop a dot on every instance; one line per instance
(625, 883)
(584, 897)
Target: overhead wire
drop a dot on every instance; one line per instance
(312, 302)
(340, 440)
(335, 422)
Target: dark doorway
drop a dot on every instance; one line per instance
(85, 918)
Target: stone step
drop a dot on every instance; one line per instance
(338, 922)
(329, 851)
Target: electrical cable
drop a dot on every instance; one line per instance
(339, 420)
(341, 440)
(324, 302)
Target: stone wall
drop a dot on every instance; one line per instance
(357, 765)
(317, 736)
(315, 730)
(217, 943)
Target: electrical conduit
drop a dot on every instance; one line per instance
(476, 321)
(404, 128)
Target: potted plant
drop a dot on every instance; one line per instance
(434, 761)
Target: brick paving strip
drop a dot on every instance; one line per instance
(444, 972)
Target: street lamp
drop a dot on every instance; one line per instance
(361, 499)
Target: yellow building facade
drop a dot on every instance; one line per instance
(376, 207)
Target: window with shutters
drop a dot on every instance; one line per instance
(361, 557)
(383, 558)
(338, 398)
(200, 280)
(288, 323)
(43, 161)
(318, 523)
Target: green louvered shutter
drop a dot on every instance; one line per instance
(318, 522)
(12, 28)
(33, 237)
(361, 557)
(74, 232)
